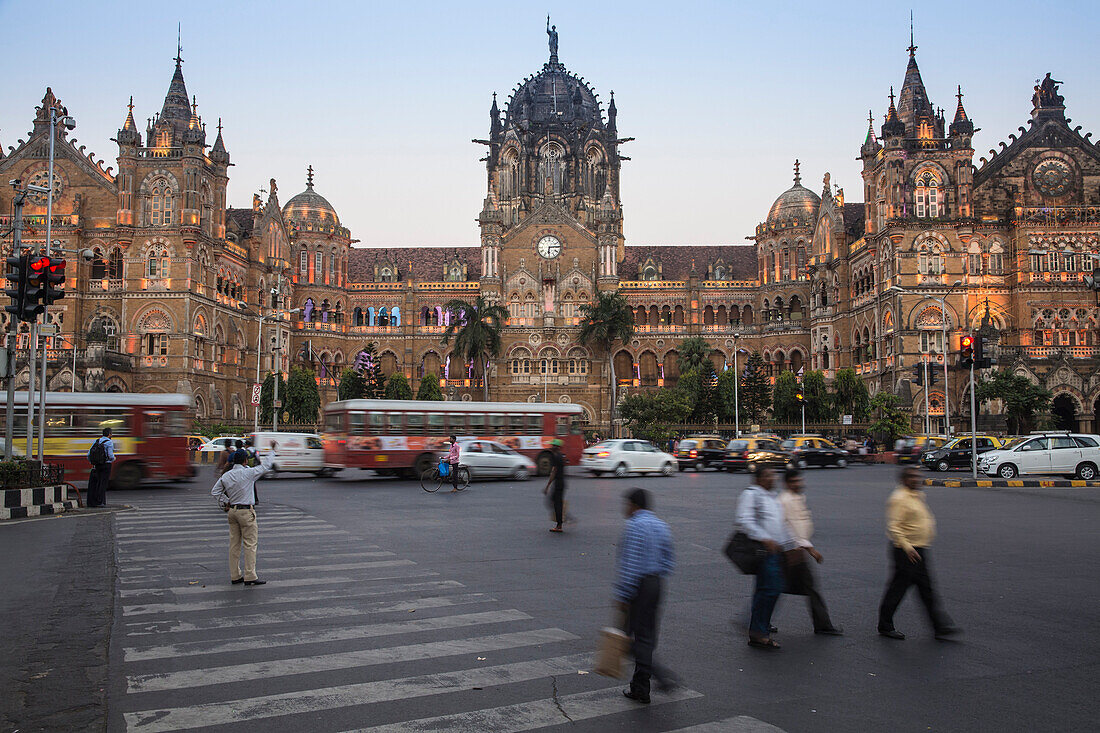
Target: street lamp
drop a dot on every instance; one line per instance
(942, 300)
(736, 382)
(260, 318)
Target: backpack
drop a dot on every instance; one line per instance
(98, 453)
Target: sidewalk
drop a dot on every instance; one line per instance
(1000, 483)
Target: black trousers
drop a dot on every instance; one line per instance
(557, 498)
(905, 574)
(97, 485)
(802, 581)
(641, 625)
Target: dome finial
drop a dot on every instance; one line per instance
(179, 44)
(309, 177)
(797, 176)
(912, 46)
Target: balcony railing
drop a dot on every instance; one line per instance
(1076, 352)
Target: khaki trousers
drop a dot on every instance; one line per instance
(242, 531)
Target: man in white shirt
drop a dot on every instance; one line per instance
(760, 516)
(800, 578)
(236, 493)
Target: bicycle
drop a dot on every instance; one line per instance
(431, 479)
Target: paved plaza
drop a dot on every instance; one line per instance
(388, 609)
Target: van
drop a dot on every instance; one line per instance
(302, 452)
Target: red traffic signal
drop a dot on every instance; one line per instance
(966, 350)
(40, 265)
(55, 275)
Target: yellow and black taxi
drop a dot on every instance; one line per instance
(956, 454)
(813, 450)
(754, 451)
(910, 448)
(701, 451)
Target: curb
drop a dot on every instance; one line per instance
(1011, 483)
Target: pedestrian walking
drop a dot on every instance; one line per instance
(800, 576)
(225, 459)
(101, 455)
(235, 491)
(760, 516)
(239, 451)
(555, 485)
(645, 556)
(453, 460)
(911, 528)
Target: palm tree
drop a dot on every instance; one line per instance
(603, 322)
(476, 329)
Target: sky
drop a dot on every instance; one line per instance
(383, 98)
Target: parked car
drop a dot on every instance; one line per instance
(218, 444)
(752, 452)
(1059, 452)
(956, 454)
(488, 458)
(195, 442)
(294, 452)
(813, 450)
(701, 451)
(910, 448)
(622, 457)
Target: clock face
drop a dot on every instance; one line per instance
(42, 178)
(549, 247)
(1052, 177)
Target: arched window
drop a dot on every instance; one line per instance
(161, 204)
(318, 266)
(156, 262)
(996, 259)
(110, 329)
(521, 362)
(928, 195)
(550, 169)
(303, 263)
(386, 275)
(649, 273)
(331, 267)
(114, 265)
(530, 306)
(99, 265)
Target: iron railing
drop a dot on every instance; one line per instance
(28, 474)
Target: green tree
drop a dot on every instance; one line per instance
(785, 407)
(694, 355)
(369, 367)
(267, 393)
(429, 388)
(352, 385)
(819, 403)
(654, 416)
(303, 402)
(397, 387)
(850, 395)
(695, 386)
(755, 392)
(1024, 402)
(603, 322)
(724, 396)
(476, 329)
(891, 422)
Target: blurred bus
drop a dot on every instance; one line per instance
(149, 432)
(404, 437)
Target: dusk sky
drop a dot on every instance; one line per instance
(383, 98)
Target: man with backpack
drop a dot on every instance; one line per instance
(101, 455)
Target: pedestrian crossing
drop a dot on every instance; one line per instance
(346, 636)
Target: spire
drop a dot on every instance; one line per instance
(893, 127)
(612, 113)
(309, 178)
(195, 132)
(913, 104)
(218, 153)
(176, 109)
(870, 143)
(962, 124)
(129, 134)
(797, 175)
(129, 124)
(912, 46)
(494, 118)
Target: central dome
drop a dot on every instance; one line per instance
(555, 94)
(797, 206)
(310, 207)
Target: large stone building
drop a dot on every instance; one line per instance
(172, 300)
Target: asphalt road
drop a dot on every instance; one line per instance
(391, 609)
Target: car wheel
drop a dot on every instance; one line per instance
(698, 465)
(681, 467)
(803, 464)
(596, 474)
(666, 470)
(943, 466)
(621, 470)
(127, 477)
(841, 463)
(1086, 472)
(521, 473)
(423, 462)
(1007, 470)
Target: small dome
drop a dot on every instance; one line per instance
(555, 95)
(797, 206)
(310, 207)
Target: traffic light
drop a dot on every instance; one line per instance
(918, 374)
(966, 351)
(38, 273)
(1093, 280)
(983, 354)
(799, 396)
(23, 286)
(55, 275)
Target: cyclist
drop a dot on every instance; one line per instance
(452, 459)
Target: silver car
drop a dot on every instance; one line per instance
(488, 458)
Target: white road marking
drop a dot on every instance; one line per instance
(739, 724)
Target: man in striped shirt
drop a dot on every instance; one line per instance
(645, 556)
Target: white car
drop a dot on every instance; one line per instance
(218, 444)
(487, 458)
(1051, 453)
(301, 452)
(622, 457)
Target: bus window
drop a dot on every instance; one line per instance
(477, 423)
(93, 422)
(576, 427)
(393, 423)
(456, 423)
(177, 423)
(376, 423)
(155, 424)
(496, 425)
(334, 422)
(534, 424)
(57, 423)
(356, 421)
(435, 423)
(414, 422)
(515, 424)
(562, 425)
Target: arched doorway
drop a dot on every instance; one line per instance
(1064, 412)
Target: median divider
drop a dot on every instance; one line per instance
(1000, 483)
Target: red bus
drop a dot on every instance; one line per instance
(404, 437)
(149, 433)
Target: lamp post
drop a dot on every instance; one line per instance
(942, 300)
(260, 318)
(736, 383)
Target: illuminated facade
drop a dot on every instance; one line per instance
(170, 302)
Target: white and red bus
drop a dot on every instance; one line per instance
(149, 433)
(396, 437)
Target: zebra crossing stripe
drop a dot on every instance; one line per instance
(533, 715)
(323, 636)
(221, 535)
(739, 724)
(320, 568)
(186, 531)
(183, 559)
(132, 575)
(366, 693)
(230, 674)
(333, 580)
(308, 614)
(242, 600)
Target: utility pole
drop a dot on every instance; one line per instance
(927, 416)
(736, 398)
(973, 427)
(13, 330)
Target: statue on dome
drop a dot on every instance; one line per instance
(1046, 93)
(552, 31)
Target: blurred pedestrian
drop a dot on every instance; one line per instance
(101, 455)
(800, 576)
(452, 461)
(236, 494)
(760, 516)
(645, 555)
(555, 485)
(225, 459)
(911, 528)
(240, 451)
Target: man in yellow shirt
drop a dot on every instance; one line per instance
(911, 528)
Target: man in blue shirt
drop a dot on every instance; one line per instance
(645, 556)
(100, 474)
